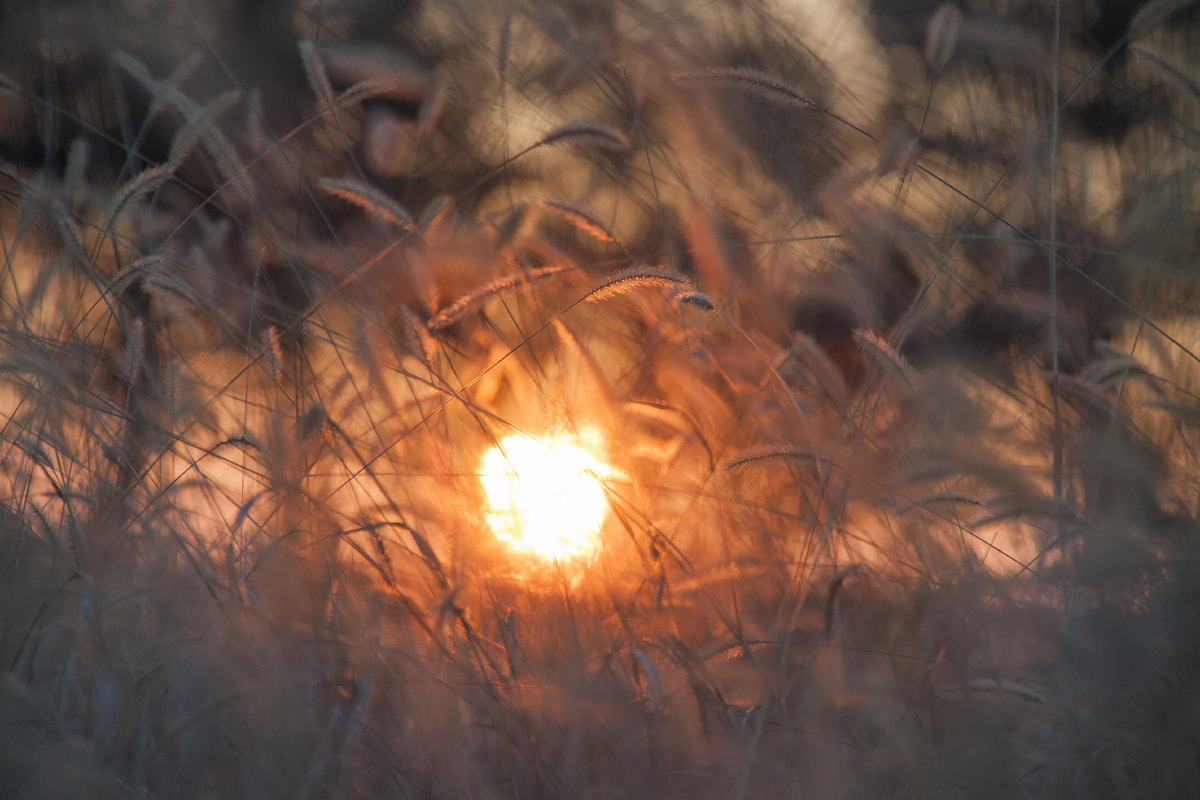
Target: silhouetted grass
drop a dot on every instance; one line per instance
(886, 317)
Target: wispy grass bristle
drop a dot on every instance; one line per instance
(883, 353)
(135, 270)
(369, 199)
(637, 277)
(315, 71)
(751, 80)
(581, 220)
(769, 454)
(696, 300)
(144, 183)
(454, 312)
(587, 133)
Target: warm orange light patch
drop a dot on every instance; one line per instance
(545, 497)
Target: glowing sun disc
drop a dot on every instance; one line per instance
(545, 497)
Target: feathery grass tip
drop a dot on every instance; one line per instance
(636, 277)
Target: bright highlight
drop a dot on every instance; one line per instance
(545, 496)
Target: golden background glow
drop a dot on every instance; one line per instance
(545, 497)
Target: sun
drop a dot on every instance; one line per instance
(545, 497)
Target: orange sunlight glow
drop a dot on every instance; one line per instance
(545, 497)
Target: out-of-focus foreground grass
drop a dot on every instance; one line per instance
(884, 316)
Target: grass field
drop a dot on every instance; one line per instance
(864, 336)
